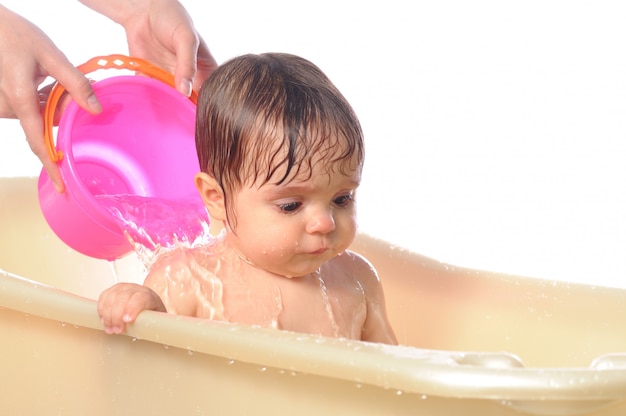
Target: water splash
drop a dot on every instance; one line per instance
(116, 275)
(154, 225)
(326, 300)
(211, 297)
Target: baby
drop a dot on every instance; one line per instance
(281, 154)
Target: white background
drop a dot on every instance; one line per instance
(495, 131)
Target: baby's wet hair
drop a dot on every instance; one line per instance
(271, 118)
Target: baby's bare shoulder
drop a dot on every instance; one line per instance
(355, 265)
(183, 279)
(354, 260)
(181, 259)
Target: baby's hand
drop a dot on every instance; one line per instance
(120, 304)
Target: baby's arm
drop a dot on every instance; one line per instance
(163, 290)
(120, 304)
(376, 327)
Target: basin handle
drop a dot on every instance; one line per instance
(493, 360)
(612, 361)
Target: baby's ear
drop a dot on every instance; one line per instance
(212, 195)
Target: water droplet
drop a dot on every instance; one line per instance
(231, 362)
(423, 397)
(167, 347)
(263, 369)
(358, 385)
(62, 324)
(190, 352)
(133, 339)
(399, 392)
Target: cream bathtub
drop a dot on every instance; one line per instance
(485, 344)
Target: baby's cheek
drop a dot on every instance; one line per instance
(351, 227)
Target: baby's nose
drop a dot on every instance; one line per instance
(321, 222)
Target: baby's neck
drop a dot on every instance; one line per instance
(248, 268)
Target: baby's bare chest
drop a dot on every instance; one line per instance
(309, 304)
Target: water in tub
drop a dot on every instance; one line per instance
(175, 234)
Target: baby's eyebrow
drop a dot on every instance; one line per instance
(290, 189)
(295, 188)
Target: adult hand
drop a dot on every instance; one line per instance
(27, 58)
(162, 32)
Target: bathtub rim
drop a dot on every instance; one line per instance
(449, 374)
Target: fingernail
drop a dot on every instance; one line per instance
(126, 318)
(59, 187)
(94, 104)
(185, 87)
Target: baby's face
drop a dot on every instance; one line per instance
(292, 229)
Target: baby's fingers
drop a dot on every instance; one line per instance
(120, 305)
(113, 305)
(137, 302)
(111, 315)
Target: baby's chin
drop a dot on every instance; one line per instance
(297, 272)
(295, 275)
(302, 265)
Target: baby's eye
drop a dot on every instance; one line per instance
(343, 200)
(290, 207)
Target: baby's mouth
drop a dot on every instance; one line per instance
(319, 251)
